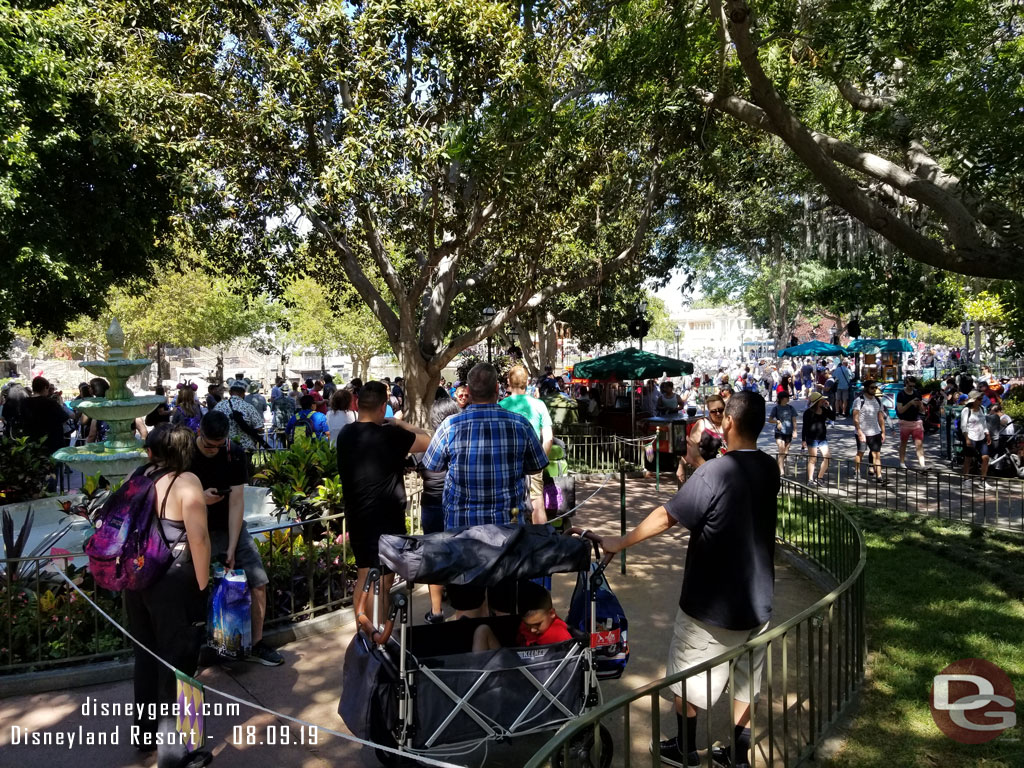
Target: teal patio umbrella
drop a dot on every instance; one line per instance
(811, 349)
(885, 345)
(631, 363)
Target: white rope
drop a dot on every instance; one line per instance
(252, 705)
(608, 476)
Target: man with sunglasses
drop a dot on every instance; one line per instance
(222, 469)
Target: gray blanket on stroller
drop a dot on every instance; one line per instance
(484, 555)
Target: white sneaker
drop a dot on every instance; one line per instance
(986, 486)
(922, 467)
(903, 465)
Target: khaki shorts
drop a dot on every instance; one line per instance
(694, 642)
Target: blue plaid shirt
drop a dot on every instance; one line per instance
(487, 452)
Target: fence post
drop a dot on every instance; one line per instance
(657, 458)
(622, 511)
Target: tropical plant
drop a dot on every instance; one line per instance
(24, 465)
(296, 475)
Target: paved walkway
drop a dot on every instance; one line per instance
(308, 685)
(938, 491)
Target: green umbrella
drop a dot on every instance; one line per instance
(885, 345)
(811, 349)
(631, 363)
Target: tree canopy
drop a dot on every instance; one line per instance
(84, 203)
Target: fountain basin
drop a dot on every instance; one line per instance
(119, 410)
(98, 458)
(117, 372)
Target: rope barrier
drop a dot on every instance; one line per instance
(252, 705)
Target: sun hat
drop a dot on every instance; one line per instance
(813, 399)
(974, 395)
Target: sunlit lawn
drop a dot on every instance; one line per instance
(935, 593)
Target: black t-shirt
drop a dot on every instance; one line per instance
(902, 398)
(220, 471)
(371, 462)
(729, 506)
(42, 417)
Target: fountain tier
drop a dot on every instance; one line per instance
(121, 452)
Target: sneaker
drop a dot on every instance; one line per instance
(903, 465)
(818, 483)
(986, 486)
(722, 757)
(922, 467)
(262, 653)
(967, 480)
(434, 618)
(671, 755)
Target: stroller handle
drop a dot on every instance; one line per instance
(605, 558)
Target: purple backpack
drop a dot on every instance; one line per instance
(129, 549)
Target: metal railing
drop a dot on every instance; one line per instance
(598, 453)
(44, 624)
(814, 661)
(939, 494)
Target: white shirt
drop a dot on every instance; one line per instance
(974, 424)
(869, 408)
(337, 420)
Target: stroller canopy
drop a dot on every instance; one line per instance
(484, 555)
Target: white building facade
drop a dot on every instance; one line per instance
(726, 330)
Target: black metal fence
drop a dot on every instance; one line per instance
(814, 662)
(996, 503)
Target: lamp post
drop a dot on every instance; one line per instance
(489, 314)
(678, 332)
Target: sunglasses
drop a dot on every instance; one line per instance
(717, 410)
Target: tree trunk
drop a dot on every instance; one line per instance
(977, 343)
(421, 384)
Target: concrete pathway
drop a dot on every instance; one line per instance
(308, 685)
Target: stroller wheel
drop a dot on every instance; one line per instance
(583, 752)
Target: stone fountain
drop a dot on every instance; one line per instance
(121, 452)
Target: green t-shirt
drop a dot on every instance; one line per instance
(532, 409)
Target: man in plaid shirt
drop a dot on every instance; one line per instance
(487, 452)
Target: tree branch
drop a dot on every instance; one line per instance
(862, 101)
(969, 253)
(354, 271)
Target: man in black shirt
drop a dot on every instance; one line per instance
(222, 469)
(730, 508)
(41, 417)
(371, 462)
(910, 412)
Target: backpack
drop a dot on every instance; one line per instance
(307, 422)
(610, 635)
(129, 549)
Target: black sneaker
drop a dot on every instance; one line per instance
(262, 653)
(434, 618)
(819, 483)
(722, 756)
(671, 755)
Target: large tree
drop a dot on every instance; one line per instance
(446, 155)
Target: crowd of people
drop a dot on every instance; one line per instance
(482, 462)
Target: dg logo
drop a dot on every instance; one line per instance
(973, 701)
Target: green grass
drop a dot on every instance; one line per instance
(936, 592)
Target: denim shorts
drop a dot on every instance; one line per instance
(817, 443)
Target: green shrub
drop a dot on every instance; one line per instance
(24, 465)
(303, 479)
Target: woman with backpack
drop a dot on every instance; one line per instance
(167, 616)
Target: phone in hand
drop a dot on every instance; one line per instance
(222, 491)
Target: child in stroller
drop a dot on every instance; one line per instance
(540, 624)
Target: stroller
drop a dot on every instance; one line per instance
(428, 693)
(1008, 453)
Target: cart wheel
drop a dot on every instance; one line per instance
(583, 753)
